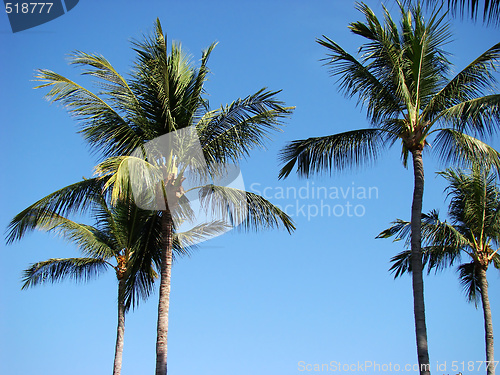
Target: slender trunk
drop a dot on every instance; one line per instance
(416, 264)
(488, 322)
(120, 331)
(164, 300)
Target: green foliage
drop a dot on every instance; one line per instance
(473, 230)
(54, 270)
(401, 79)
(471, 9)
(165, 93)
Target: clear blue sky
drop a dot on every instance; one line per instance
(244, 303)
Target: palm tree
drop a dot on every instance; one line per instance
(123, 232)
(474, 231)
(402, 80)
(491, 8)
(165, 95)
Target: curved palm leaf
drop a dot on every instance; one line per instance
(335, 152)
(229, 133)
(479, 116)
(491, 8)
(249, 209)
(75, 198)
(467, 84)
(185, 242)
(91, 241)
(357, 79)
(105, 129)
(55, 270)
(442, 243)
(469, 281)
(114, 85)
(462, 149)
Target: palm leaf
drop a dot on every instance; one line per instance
(185, 242)
(471, 8)
(467, 85)
(461, 149)
(145, 258)
(55, 270)
(250, 210)
(442, 243)
(113, 84)
(103, 128)
(229, 133)
(75, 198)
(479, 116)
(357, 79)
(91, 241)
(469, 280)
(335, 152)
(400, 229)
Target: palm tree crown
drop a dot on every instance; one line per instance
(402, 80)
(473, 230)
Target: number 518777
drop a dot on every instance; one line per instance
(28, 7)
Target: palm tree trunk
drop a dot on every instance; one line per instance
(120, 331)
(416, 264)
(164, 300)
(488, 322)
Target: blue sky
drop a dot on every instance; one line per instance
(243, 303)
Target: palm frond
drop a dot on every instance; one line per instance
(185, 242)
(355, 79)
(469, 280)
(335, 152)
(496, 260)
(479, 116)
(195, 103)
(75, 198)
(91, 241)
(475, 203)
(471, 9)
(114, 86)
(435, 258)
(57, 269)
(442, 243)
(400, 229)
(458, 148)
(231, 132)
(102, 127)
(247, 210)
(145, 258)
(127, 173)
(471, 83)
(401, 264)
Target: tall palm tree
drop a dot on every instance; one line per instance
(490, 8)
(474, 231)
(402, 80)
(124, 233)
(164, 95)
